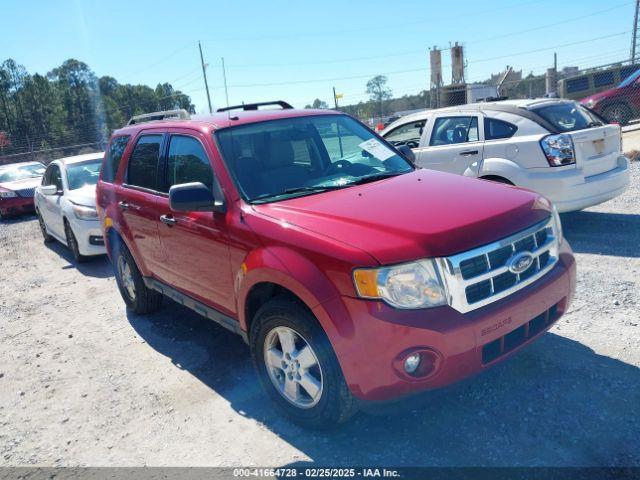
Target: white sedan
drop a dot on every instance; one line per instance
(66, 204)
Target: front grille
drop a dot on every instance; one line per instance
(483, 275)
(26, 192)
(512, 340)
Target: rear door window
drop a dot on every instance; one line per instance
(454, 130)
(187, 162)
(113, 157)
(143, 163)
(495, 129)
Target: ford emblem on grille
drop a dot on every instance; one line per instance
(519, 262)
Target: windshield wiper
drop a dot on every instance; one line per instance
(294, 190)
(375, 176)
(325, 188)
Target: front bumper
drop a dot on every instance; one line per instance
(16, 205)
(570, 190)
(89, 236)
(368, 341)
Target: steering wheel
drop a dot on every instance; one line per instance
(338, 167)
(412, 144)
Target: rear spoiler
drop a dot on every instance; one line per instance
(180, 114)
(254, 106)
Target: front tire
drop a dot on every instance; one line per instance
(72, 243)
(43, 228)
(136, 295)
(297, 366)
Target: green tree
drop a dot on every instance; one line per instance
(318, 104)
(378, 91)
(70, 110)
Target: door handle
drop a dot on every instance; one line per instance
(468, 153)
(168, 220)
(123, 205)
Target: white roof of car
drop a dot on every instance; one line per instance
(80, 158)
(525, 104)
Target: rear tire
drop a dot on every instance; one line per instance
(617, 113)
(72, 243)
(138, 298)
(304, 380)
(45, 236)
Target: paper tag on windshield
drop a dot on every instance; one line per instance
(377, 149)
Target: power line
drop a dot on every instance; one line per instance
(423, 51)
(421, 69)
(366, 29)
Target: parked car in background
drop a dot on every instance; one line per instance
(17, 185)
(66, 205)
(352, 275)
(555, 147)
(619, 104)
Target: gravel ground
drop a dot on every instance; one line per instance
(83, 382)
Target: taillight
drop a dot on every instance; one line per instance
(558, 149)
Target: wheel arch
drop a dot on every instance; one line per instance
(263, 276)
(504, 169)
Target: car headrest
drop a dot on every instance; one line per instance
(280, 154)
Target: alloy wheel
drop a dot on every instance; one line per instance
(124, 271)
(293, 367)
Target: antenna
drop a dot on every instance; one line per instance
(204, 74)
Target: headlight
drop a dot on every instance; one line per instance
(558, 149)
(557, 224)
(85, 213)
(8, 194)
(411, 285)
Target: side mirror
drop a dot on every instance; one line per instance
(407, 153)
(49, 190)
(194, 197)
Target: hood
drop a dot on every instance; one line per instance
(83, 196)
(417, 215)
(22, 184)
(596, 97)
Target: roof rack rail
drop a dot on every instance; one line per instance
(254, 106)
(181, 114)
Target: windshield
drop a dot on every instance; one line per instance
(81, 174)
(279, 159)
(34, 170)
(568, 116)
(630, 79)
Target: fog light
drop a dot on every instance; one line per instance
(412, 362)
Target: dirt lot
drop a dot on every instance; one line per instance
(83, 382)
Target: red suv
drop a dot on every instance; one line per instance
(352, 275)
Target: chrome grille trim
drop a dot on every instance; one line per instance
(26, 192)
(456, 285)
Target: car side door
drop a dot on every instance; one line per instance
(454, 143)
(50, 206)
(195, 243)
(408, 134)
(137, 199)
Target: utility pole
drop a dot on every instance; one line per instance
(204, 74)
(635, 33)
(224, 76)
(335, 101)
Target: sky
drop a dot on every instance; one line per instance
(298, 51)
